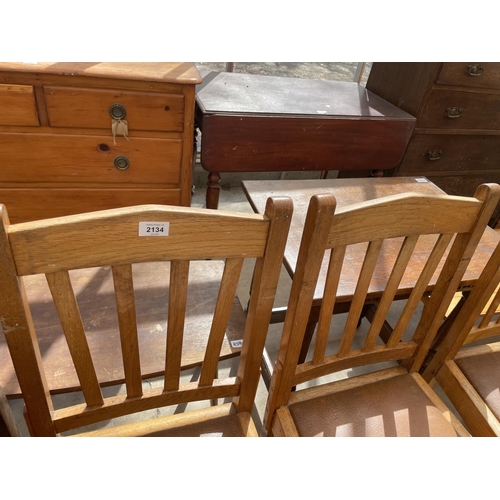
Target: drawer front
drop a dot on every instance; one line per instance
(87, 108)
(474, 75)
(460, 110)
(25, 205)
(88, 160)
(17, 106)
(451, 153)
(463, 185)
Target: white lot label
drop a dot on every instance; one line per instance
(236, 343)
(153, 228)
(421, 179)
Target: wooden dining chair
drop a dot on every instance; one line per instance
(120, 238)
(470, 374)
(313, 397)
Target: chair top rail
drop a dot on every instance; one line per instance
(423, 214)
(112, 237)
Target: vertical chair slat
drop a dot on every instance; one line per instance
(329, 296)
(420, 287)
(225, 299)
(127, 321)
(71, 322)
(179, 274)
(390, 291)
(359, 298)
(491, 310)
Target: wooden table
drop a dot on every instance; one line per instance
(96, 300)
(255, 123)
(349, 191)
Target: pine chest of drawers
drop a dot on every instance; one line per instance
(59, 154)
(456, 140)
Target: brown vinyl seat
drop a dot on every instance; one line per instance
(192, 238)
(311, 397)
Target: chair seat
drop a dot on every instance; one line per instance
(483, 372)
(395, 406)
(216, 421)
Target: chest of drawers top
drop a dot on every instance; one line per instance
(156, 72)
(80, 94)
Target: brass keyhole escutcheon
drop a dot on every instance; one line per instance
(117, 111)
(122, 162)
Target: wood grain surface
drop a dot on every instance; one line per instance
(180, 72)
(25, 204)
(17, 105)
(348, 192)
(69, 107)
(84, 161)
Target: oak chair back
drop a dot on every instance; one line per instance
(395, 225)
(119, 238)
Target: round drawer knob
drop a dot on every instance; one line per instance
(434, 155)
(475, 70)
(122, 162)
(454, 112)
(117, 111)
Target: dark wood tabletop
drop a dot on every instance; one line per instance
(257, 123)
(241, 93)
(347, 192)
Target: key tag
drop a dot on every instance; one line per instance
(119, 127)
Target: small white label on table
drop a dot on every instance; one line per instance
(236, 343)
(153, 228)
(421, 179)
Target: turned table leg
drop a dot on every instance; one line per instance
(213, 189)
